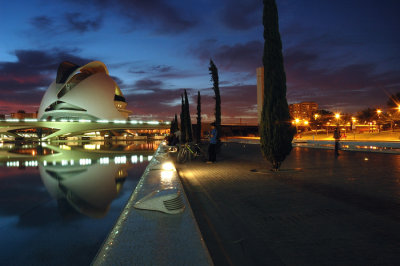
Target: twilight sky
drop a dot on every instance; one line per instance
(343, 54)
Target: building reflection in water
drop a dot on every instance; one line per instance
(85, 178)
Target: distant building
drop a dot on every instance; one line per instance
(260, 91)
(23, 115)
(303, 110)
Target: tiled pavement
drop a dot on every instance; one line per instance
(317, 210)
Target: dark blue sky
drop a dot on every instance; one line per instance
(342, 54)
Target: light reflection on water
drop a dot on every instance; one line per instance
(53, 196)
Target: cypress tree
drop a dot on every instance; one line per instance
(198, 127)
(215, 79)
(172, 127)
(176, 123)
(276, 131)
(188, 124)
(183, 121)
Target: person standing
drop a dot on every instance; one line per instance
(212, 147)
(336, 136)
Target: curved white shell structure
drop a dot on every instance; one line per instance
(86, 92)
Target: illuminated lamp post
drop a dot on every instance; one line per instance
(337, 116)
(353, 126)
(316, 124)
(379, 111)
(296, 121)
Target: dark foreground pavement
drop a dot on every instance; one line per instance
(317, 210)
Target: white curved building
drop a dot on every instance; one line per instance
(83, 92)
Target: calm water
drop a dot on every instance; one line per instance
(59, 202)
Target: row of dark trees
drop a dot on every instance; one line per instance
(276, 130)
(186, 123)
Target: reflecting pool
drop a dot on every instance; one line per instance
(58, 202)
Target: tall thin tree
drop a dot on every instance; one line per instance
(183, 120)
(198, 126)
(276, 131)
(188, 124)
(176, 123)
(215, 79)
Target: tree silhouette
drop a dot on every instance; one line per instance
(188, 122)
(198, 127)
(215, 79)
(276, 131)
(183, 121)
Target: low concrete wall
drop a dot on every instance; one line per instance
(367, 146)
(148, 237)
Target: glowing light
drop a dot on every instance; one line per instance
(166, 176)
(65, 147)
(134, 122)
(337, 115)
(102, 121)
(104, 160)
(44, 163)
(85, 161)
(12, 120)
(168, 166)
(120, 121)
(297, 120)
(141, 158)
(30, 120)
(120, 159)
(153, 122)
(305, 122)
(89, 146)
(379, 111)
(149, 158)
(64, 162)
(12, 164)
(134, 159)
(31, 163)
(84, 121)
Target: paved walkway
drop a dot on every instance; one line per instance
(317, 211)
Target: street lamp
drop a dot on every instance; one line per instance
(297, 123)
(337, 116)
(379, 111)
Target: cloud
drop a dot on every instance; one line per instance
(75, 22)
(239, 57)
(238, 102)
(162, 16)
(42, 22)
(147, 84)
(241, 14)
(22, 82)
(162, 72)
(350, 87)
